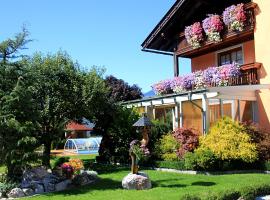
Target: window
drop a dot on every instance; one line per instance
(228, 57)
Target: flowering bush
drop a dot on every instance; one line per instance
(141, 151)
(76, 164)
(188, 139)
(213, 26)
(162, 87)
(234, 17)
(67, 169)
(194, 34)
(212, 76)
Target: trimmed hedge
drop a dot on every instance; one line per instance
(227, 166)
(267, 166)
(246, 193)
(179, 165)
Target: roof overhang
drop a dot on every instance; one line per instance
(164, 37)
(243, 92)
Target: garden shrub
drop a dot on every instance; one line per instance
(201, 159)
(6, 187)
(267, 165)
(188, 138)
(223, 195)
(159, 128)
(262, 139)
(114, 146)
(60, 160)
(251, 192)
(168, 147)
(228, 140)
(179, 165)
(190, 197)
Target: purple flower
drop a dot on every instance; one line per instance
(234, 17)
(188, 81)
(162, 87)
(213, 26)
(194, 34)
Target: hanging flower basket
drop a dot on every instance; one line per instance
(213, 26)
(234, 17)
(194, 35)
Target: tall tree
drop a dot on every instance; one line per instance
(63, 92)
(10, 48)
(122, 91)
(18, 135)
(57, 90)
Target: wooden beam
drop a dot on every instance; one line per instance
(176, 65)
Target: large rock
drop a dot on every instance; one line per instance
(62, 185)
(38, 188)
(28, 191)
(138, 181)
(16, 193)
(85, 178)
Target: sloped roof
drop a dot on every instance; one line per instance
(164, 37)
(143, 121)
(74, 126)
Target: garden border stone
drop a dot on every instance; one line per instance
(192, 172)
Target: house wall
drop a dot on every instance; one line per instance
(262, 52)
(210, 59)
(192, 115)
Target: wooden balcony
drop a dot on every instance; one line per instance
(249, 76)
(229, 38)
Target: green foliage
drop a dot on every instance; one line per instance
(190, 197)
(267, 165)
(168, 147)
(158, 129)
(10, 47)
(179, 165)
(18, 138)
(201, 159)
(251, 192)
(60, 160)
(228, 140)
(6, 187)
(223, 195)
(115, 143)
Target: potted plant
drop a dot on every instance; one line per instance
(194, 35)
(234, 17)
(213, 26)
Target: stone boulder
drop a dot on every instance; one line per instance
(85, 178)
(28, 191)
(62, 185)
(38, 188)
(16, 193)
(138, 181)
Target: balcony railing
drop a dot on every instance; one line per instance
(249, 76)
(229, 38)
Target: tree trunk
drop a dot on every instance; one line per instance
(47, 153)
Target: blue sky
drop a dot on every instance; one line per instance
(95, 32)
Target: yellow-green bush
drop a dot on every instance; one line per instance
(228, 140)
(168, 147)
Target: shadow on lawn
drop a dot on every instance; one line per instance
(168, 183)
(102, 184)
(203, 183)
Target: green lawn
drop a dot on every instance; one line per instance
(89, 158)
(165, 186)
